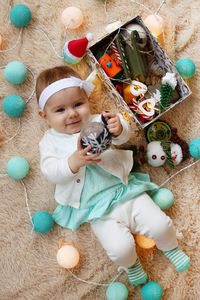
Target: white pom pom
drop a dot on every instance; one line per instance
(89, 37)
(170, 78)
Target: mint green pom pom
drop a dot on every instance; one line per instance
(152, 291)
(20, 15)
(194, 148)
(15, 72)
(117, 291)
(13, 106)
(163, 198)
(42, 222)
(17, 167)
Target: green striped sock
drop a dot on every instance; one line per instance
(136, 274)
(178, 258)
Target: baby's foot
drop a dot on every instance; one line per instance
(136, 274)
(178, 258)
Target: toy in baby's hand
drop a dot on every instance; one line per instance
(96, 135)
(164, 145)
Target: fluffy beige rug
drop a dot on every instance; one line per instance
(24, 274)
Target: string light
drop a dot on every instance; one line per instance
(72, 17)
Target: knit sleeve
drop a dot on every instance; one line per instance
(54, 168)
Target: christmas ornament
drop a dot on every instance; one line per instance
(168, 85)
(109, 65)
(141, 31)
(96, 135)
(134, 62)
(165, 146)
(74, 50)
(20, 15)
(42, 222)
(14, 106)
(134, 90)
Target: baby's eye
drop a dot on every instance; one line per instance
(60, 109)
(78, 104)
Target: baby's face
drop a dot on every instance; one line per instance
(67, 111)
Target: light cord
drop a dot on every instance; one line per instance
(34, 85)
(159, 8)
(49, 40)
(188, 166)
(26, 199)
(95, 283)
(16, 133)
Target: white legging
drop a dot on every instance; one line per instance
(139, 215)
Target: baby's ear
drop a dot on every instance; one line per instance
(42, 114)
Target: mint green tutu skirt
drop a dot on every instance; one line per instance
(101, 192)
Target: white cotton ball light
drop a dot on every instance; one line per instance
(154, 24)
(72, 17)
(68, 256)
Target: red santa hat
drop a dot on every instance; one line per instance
(75, 49)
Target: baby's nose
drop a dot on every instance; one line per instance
(71, 112)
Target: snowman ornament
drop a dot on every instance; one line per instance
(164, 145)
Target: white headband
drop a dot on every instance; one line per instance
(64, 83)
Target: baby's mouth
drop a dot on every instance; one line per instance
(73, 122)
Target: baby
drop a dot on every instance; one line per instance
(94, 188)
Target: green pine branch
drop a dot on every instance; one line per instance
(166, 92)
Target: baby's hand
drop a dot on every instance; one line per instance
(80, 157)
(114, 124)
